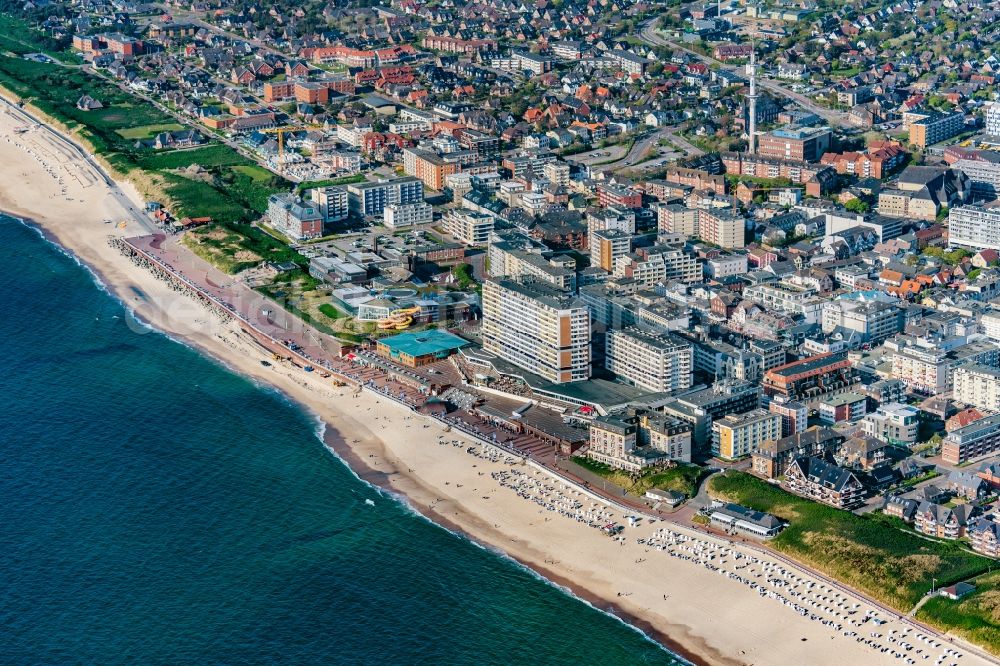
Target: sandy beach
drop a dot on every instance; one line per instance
(712, 601)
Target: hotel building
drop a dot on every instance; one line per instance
(370, 199)
(974, 227)
(332, 202)
(979, 386)
(538, 328)
(977, 439)
(635, 440)
(811, 378)
(652, 362)
(739, 435)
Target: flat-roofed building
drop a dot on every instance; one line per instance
(469, 227)
(983, 170)
(936, 127)
(370, 199)
(894, 423)
(739, 435)
(538, 328)
(796, 143)
(606, 246)
(405, 216)
(849, 406)
(975, 440)
(979, 386)
(653, 362)
(429, 167)
(523, 259)
(921, 369)
(974, 227)
(722, 227)
(415, 349)
(332, 202)
(788, 298)
(794, 415)
(873, 317)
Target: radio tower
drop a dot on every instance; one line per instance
(752, 103)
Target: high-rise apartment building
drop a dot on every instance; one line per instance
(652, 362)
(974, 227)
(538, 328)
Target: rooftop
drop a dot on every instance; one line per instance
(423, 343)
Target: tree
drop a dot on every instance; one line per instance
(857, 206)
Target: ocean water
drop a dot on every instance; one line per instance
(156, 508)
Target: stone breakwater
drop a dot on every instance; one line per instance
(172, 279)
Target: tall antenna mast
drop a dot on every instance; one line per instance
(752, 101)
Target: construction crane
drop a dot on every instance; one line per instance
(280, 131)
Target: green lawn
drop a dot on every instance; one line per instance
(329, 182)
(206, 156)
(682, 479)
(17, 37)
(877, 554)
(330, 311)
(236, 247)
(258, 174)
(975, 617)
(148, 131)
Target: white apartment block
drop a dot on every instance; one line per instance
(557, 173)
(979, 386)
(679, 219)
(984, 177)
(538, 328)
(332, 202)
(370, 199)
(611, 218)
(606, 246)
(894, 423)
(870, 320)
(923, 370)
(991, 325)
(722, 227)
(993, 119)
(787, 298)
(652, 362)
(726, 265)
(469, 227)
(404, 216)
(739, 435)
(524, 263)
(974, 227)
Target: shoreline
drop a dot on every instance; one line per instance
(593, 569)
(335, 442)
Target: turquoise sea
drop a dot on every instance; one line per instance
(155, 508)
